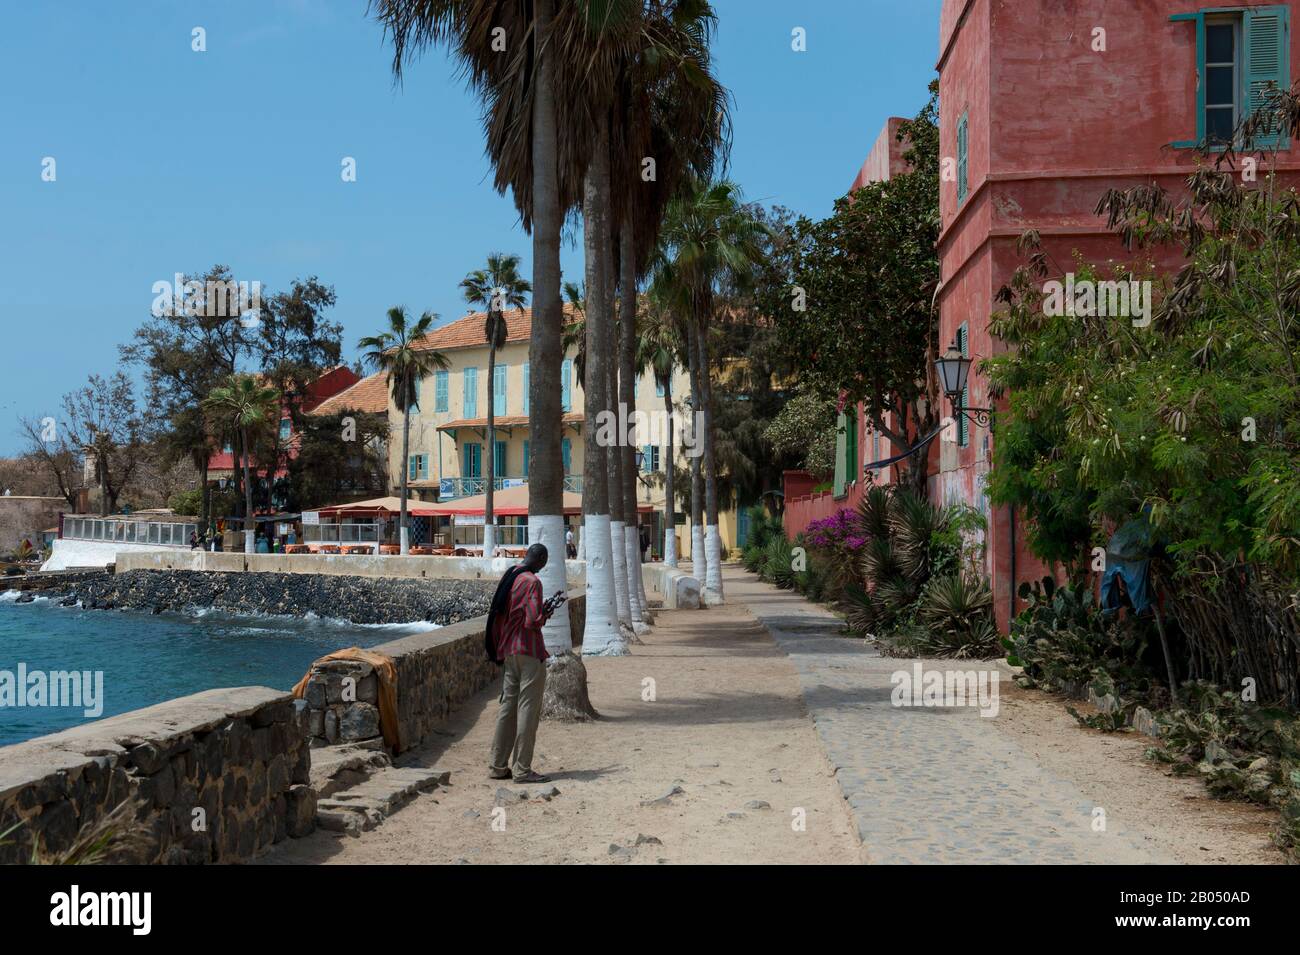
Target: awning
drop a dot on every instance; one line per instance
(509, 502)
(380, 506)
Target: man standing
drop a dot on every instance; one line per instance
(515, 621)
(569, 549)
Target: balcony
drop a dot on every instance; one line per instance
(449, 489)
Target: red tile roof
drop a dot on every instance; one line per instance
(367, 395)
(468, 332)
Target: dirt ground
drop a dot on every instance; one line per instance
(1174, 814)
(726, 725)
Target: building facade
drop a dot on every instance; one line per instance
(1044, 106)
(448, 450)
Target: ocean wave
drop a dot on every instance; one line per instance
(9, 596)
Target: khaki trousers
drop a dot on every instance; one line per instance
(523, 678)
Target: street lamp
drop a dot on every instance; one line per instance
(954, 368)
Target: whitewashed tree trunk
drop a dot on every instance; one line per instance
(489, 540)
(548, 529)
(713, 574)
(601, 637)
(630, 546)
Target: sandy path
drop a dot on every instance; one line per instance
(727, 725)
(1174, 815)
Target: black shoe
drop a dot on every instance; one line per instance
(532, 778)
(498, 774)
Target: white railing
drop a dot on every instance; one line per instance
(330, 533)
(127, 531)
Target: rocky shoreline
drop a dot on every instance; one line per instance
(360, 600)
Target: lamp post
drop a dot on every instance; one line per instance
(954, 368)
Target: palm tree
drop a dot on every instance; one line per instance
(397, 352)
(659, 351)
(243, 405)
(495, 288)
(712, 240)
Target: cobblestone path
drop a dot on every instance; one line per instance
(925, 784)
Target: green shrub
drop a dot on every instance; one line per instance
(957, 612)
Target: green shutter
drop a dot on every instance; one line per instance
(565, 455)
(566, 385)
(525, 452)
(1265, 64)
(841, 456)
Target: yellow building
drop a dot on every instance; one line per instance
(448, 440)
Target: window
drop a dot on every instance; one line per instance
(963, 155)
(649, 458)
(471, 460)
(1240, 55)
(498, 390)
(417, 468)
(525, 391)
(416, 403)
(963, 425)
(440, 389)
(286, 429)
(525, 453)
(566, 387)
(469, 403)
(565, 454)
(499, 460)
(659, 388)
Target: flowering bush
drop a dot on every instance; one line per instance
(837, 533)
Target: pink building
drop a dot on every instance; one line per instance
(1044, 105)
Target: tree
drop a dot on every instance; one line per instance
(48, 448)
(398, 353)
(495, 288)
(803, 428)
(712, 241)
(242, 404)
(859, 297)
(660, 351)
(102, 421)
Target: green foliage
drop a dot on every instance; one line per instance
(869, 273)
(1241, 750)
(805, 429)
(1064, 642)
(778, 562)
(920, 597)
(188, 502)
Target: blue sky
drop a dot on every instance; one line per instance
(170, 160)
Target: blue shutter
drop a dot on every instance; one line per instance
(564, 454)
(526, 386)
(1265, 64)
(470, 398)
(659, 388)
(647, 458)
(525, 453)
(440, 399)
(566, 385)
(499, 389)
(499, 462)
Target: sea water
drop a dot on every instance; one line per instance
(147, 658)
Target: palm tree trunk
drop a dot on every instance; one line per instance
(627, 398)
(670, 506)
(545, 354)
(712, 592)
(489, 517)
(250, 546)
(699, 561)
(618, 546)
(403, 527)
(601, 635)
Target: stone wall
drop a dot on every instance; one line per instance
(436, 671)
(365, 600)
(239, 755)
(24, 518)
(677, 589)
(354, 565)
